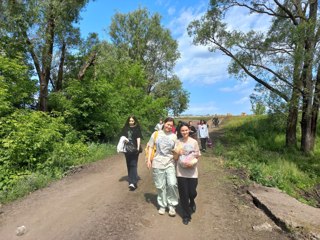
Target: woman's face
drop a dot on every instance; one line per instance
(168, 126)
(131, 122)
(184, 130)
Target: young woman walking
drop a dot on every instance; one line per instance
(132, 132)
(163, 167)
(187, 172)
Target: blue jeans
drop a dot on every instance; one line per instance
(165, 181)
(132, 167)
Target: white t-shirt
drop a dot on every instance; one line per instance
(192, 146)
(203, 131)
(158, 126)
(165, 143)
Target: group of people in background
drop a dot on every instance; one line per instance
(174, 165)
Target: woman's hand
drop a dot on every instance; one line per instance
(149, 164)
(175, 155)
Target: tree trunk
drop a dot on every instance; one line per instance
(291, 130)
(46, 64)
(60, 71)
(292, 120)
(307, 138)
(43, 94)
(315, 108)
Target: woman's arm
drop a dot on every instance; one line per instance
(138, 143)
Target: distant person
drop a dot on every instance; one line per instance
(215, 121)
(187, 171)
(132, 132)
(159, 125)
(163, 168)
(193, 130)
(203, 134)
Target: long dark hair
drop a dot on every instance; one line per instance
(127, 125)
(136, 122)
(180, 125)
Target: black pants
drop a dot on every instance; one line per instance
(203, 143)
(187, 192)
(132, 167)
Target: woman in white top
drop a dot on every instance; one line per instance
(159, 125)
(203, 134)
(163, 167)
(187, 172)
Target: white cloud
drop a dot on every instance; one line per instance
(238, 18)
(199, 65)
(202, 108)
(240, 86)
(242, 100)
(171, 11)
(196, 64)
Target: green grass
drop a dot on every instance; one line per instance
(257, 144)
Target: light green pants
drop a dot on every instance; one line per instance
(165, 181)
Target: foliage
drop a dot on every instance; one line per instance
(52, 22)
(257, 144)
(140, 36)
(16, 89)
(99, 104)
(176, 97)
(258, 108)
(28, 138)
(27, 141)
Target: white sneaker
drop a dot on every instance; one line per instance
(132, 187)
(162, 211)
(172, 211)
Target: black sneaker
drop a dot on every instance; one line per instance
(185, 221)
(193, 208)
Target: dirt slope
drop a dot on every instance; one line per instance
(95, 204)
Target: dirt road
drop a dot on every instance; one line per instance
(95, 203)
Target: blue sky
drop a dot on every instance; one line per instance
(203, 73)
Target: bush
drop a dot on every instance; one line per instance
(33, 142)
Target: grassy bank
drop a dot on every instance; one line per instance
(257, 145)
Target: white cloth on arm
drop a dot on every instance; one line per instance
(120, 146)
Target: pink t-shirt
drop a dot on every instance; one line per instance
(191, 147)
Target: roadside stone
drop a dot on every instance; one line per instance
(21, 230)
(287, 212)
(263, 227)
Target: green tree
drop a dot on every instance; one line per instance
(110, 90)
(51, 21)
(175, 96)
(257, 107)
(141, 36)
(16, 87)
(283, 60)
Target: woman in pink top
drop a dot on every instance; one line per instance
(187, 172)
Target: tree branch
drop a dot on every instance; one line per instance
(248, 72)
(33, 54)
(86, 65)
(277, 75)
(288, 12)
